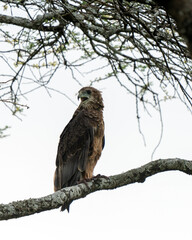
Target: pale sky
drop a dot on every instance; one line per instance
(160, 208)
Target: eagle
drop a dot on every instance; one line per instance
(81, 142)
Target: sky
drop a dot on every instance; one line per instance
(159, 208)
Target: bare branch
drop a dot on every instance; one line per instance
(55, 200)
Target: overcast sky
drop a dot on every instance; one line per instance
(160, 208)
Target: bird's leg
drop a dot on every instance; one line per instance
(84, 180)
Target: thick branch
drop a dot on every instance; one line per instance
(36, 24)
(55, 200)
(181, 11)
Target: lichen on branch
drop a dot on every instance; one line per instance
(138, 175)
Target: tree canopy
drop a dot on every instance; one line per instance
(137, 41)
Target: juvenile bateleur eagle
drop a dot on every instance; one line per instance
(81, 142)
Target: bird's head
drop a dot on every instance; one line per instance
(89, 95)
(84, 94)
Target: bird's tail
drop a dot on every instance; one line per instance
(66, 206)
(71, 182)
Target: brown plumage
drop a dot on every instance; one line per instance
(81, 142)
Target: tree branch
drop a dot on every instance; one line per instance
(55, 200)
(181, 11)
(36, 24)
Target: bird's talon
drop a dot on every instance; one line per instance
(84, 181)
(100, 176)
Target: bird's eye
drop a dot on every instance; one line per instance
(88, 91)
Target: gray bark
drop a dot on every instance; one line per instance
(28, 207)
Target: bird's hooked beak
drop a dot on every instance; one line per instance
(83, 96)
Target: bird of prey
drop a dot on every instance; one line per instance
(81, 142)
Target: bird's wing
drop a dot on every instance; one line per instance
(74, 148)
